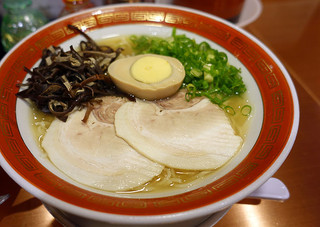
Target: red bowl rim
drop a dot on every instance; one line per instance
(278, 132)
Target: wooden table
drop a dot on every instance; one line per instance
(291, 29)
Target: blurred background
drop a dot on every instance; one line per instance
(291, 29)
(21, 17)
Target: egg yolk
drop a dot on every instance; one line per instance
(151, 69)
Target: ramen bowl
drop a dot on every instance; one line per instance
(270, 136)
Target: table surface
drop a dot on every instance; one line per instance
(291, 29)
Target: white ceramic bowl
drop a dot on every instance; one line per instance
(273, 129)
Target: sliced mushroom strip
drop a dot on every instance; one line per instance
(72, 77)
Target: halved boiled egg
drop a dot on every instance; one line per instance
(148, 76)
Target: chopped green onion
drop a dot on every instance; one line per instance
(208, 77)
(196, 72)
(246, 110)
(229, 110)
(206, 69)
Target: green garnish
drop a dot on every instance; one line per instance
(208, 72)
(246, 110)
(230, 110)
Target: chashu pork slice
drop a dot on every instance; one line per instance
(196, 138)
(92, 154)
